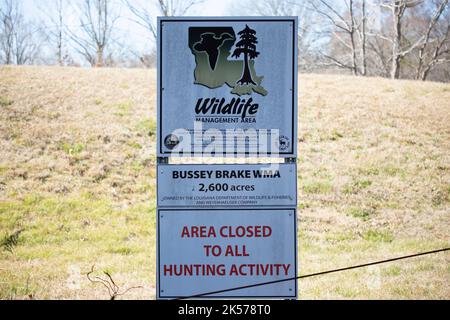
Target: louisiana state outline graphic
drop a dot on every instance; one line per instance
(212, 48)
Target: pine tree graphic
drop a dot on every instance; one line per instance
(246, 46)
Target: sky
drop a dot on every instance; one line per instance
(209, 7)
(129, 34)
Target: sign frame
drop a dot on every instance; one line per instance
(224, 295)
(294, 90)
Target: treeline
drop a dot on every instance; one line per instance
(408, 39)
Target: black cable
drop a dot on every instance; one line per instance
(315, 274)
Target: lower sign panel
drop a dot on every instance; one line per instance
(210, 250)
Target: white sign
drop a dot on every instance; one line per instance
(227, 86)
(227, 185)
(208, 250)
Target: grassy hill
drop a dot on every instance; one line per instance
(77, 183)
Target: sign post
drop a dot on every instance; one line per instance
(227, 87)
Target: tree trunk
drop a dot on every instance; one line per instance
(8, 59)
(60, 34)
(60, 58)
(246, 76)
(100, 59)
(363, 44)
(352, 39)
(425, 73)
(398, 10)
(395, 71)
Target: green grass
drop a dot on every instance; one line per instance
(123, 250)
(122, 109)
(332, 135)
(360, 213)
(10, 241)
(378, 236)
(73, 231)
(392, 271)
(4, 102)
(335, 135)
(137, 166)
(72, 148)
(17, 286)
(146, 127)
(303, 205)
(52, 221)
(394, 171)
(385, 170)
(369, 171)
(357, 186)
(340, 237)
(135, 145)
(317, 187)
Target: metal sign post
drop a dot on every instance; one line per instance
(227, 87)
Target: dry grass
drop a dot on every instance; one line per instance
(77, 178)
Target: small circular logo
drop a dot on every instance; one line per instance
(171, 141)
(284, 143)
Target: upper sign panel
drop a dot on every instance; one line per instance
(227, 86)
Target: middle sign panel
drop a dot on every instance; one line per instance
(227, 185)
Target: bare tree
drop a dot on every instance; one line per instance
(26, 46)
(17, 38)
(435, 48)
(145, 15)
(9, 18)
(343, 28)
(363, 37)
(56, 28)
(97, 23)
(405, 36)
(381, 55)
(400, 48)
